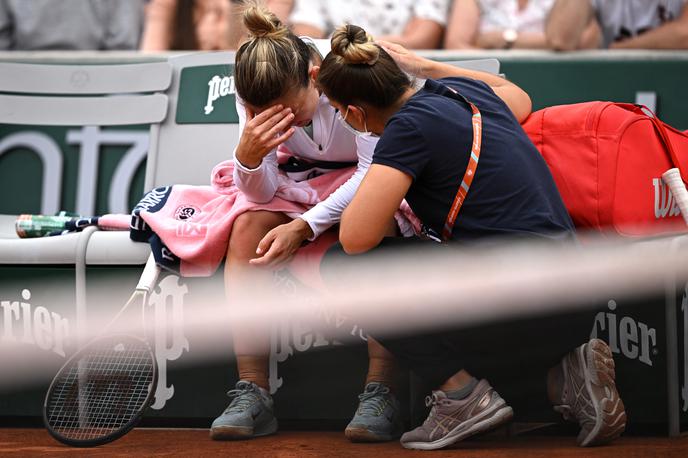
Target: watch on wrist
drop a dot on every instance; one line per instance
(510, 36)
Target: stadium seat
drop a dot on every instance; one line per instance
(83, 95)
(192, 139)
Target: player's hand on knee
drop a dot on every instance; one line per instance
(279, 245)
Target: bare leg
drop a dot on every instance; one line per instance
(382, 365)
(457, 381)
(244, 282)
(378, 416)
(383, 368)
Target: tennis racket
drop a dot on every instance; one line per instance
(101, 392)
(672, 178)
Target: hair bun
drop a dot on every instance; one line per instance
(261, 23)
(354, 45)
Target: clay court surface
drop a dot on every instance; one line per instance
(288, 444)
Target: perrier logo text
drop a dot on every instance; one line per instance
(218, 87)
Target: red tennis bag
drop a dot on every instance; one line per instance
(607, 160)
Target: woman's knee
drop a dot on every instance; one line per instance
(249, 228)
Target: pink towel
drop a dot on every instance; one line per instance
(194, 222)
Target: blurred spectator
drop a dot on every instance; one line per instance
(70, 24)
(187, 25)
(500, 24)
(643, 24)
(415, 24)
(281, 8)
(206, 25)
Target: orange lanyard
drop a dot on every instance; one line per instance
(467, 180)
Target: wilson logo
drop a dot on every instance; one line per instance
(665, 206)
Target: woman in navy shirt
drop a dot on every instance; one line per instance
(424, 151)
(455, 151)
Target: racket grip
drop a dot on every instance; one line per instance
(672, 178)
(149, 276)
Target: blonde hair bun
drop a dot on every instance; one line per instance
(354, 45)
(261, 23)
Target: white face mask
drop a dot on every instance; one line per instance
(347, 126)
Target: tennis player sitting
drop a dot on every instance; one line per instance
(279, 105)
(455, 151)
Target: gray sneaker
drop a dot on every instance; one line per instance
(378, 416)
(452, 420)
(588, 393)
(250, 414)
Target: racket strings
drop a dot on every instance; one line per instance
(102, 391)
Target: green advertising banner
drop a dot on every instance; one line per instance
(658, 82)
(206, 95)
(84, 169)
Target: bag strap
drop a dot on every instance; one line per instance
(661, 131)
(462, 192)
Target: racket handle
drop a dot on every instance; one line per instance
(672, 178)
(149, 275)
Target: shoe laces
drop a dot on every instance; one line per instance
(245, 394)
(432, 401)
(373, 400)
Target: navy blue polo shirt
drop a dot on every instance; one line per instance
(513, 192)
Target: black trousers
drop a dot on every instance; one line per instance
(509, 353)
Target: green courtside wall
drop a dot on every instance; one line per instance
(556, 82)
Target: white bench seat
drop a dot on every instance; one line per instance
(104, 248)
